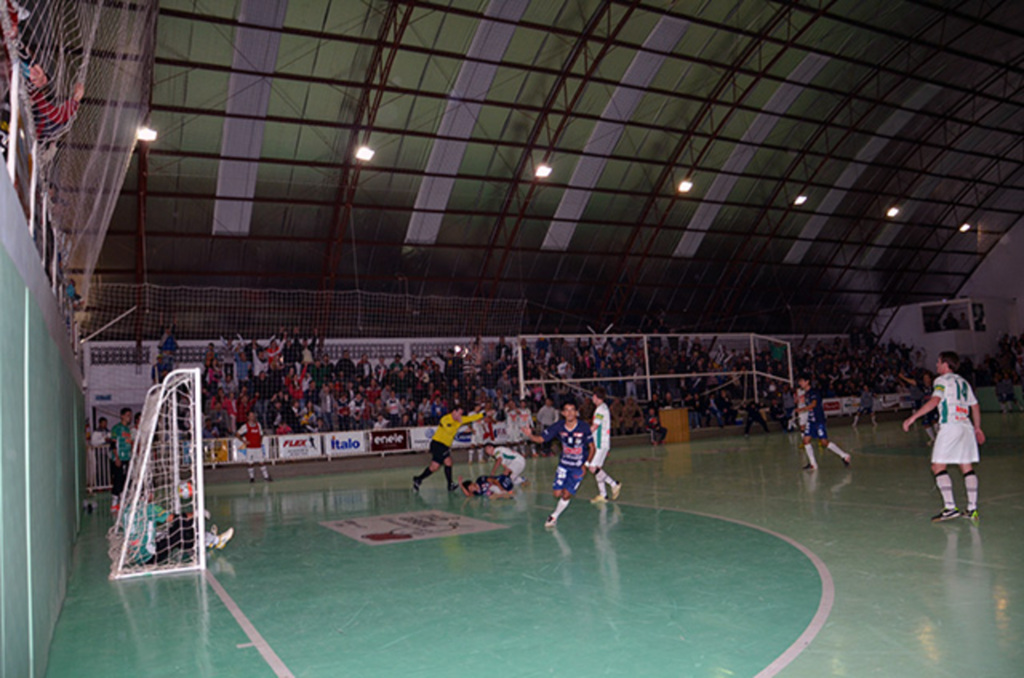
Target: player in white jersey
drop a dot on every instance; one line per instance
(601, 429)
(959, 435)
(508, 459)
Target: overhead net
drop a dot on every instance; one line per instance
(83, 76)
(117, 312)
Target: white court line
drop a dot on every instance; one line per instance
(269, 656)
(828, 590)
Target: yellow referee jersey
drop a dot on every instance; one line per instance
(446, 430)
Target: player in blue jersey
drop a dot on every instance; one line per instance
(488, 486)
(815, 428)
(577, 452)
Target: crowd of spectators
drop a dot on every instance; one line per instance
(294, 387)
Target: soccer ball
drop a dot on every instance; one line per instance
(185, 491)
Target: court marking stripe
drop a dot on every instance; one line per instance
(261, 645)
(828, 591)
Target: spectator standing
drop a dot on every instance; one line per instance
(120, 455)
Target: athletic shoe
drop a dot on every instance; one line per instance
(809, 467)
(947, 514)
(599, 499)
(269, 479)
(846, 461)
(415, 484)
(551, 522)
(615, 491)
(252, 479)
(971, 515)
(452, 487)
(224, 538)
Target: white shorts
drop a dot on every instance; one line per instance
(955, 444)
(599, 457)
(251, 454)
(516, 467)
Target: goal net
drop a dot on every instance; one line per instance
(645, 366)
(161, 526)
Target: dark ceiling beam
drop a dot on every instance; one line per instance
(388, 277)
(570, 34)
(620, 287)
(698, 168)
(631, 223)
(339, 83)
(535, 251)
(508, 143)
(959, 202)
(570, 91)
(396, 20)
(930, 45)
(731, 296)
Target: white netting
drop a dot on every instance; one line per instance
(208, 313)
(645, 367)
(161, 527)
(83, 75)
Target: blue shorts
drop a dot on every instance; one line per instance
(816, 429)
(567, 478)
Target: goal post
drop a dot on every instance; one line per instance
(161, 526)
(639, 365)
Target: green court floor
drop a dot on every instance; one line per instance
(721, 558)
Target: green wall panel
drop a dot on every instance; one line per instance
(16, 646)
(41, 451)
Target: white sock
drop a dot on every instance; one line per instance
(562, 505)
(810, 455)
(945, 485)
(601, 490)
(604, 477)
(971, 483)
(263, 469)
(835, 448)
(251, 473)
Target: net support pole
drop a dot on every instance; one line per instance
(522, 371)
(197, 463)
(12, 130)
(753, 368)
(647, 368)
(789, 359)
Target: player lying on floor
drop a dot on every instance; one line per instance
(156, 531)
(488, 486)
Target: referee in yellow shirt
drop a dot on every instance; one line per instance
(441, 445)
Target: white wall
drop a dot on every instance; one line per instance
(999, 276)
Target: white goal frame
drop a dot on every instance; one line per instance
(168, 448)
(740, 341)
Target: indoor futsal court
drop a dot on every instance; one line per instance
(720, 558)
(268, 266)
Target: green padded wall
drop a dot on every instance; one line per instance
(41, 443)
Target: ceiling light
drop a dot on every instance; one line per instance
(145, 133)
(364, 153)
(800, 200)
(892, 211)
(685, 185)
(965, 228)
(543, 171)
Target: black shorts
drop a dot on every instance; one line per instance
(439, 451)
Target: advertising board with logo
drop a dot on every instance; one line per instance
(345, 444)
(293, 446)
(419, 437)
(389, 440)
